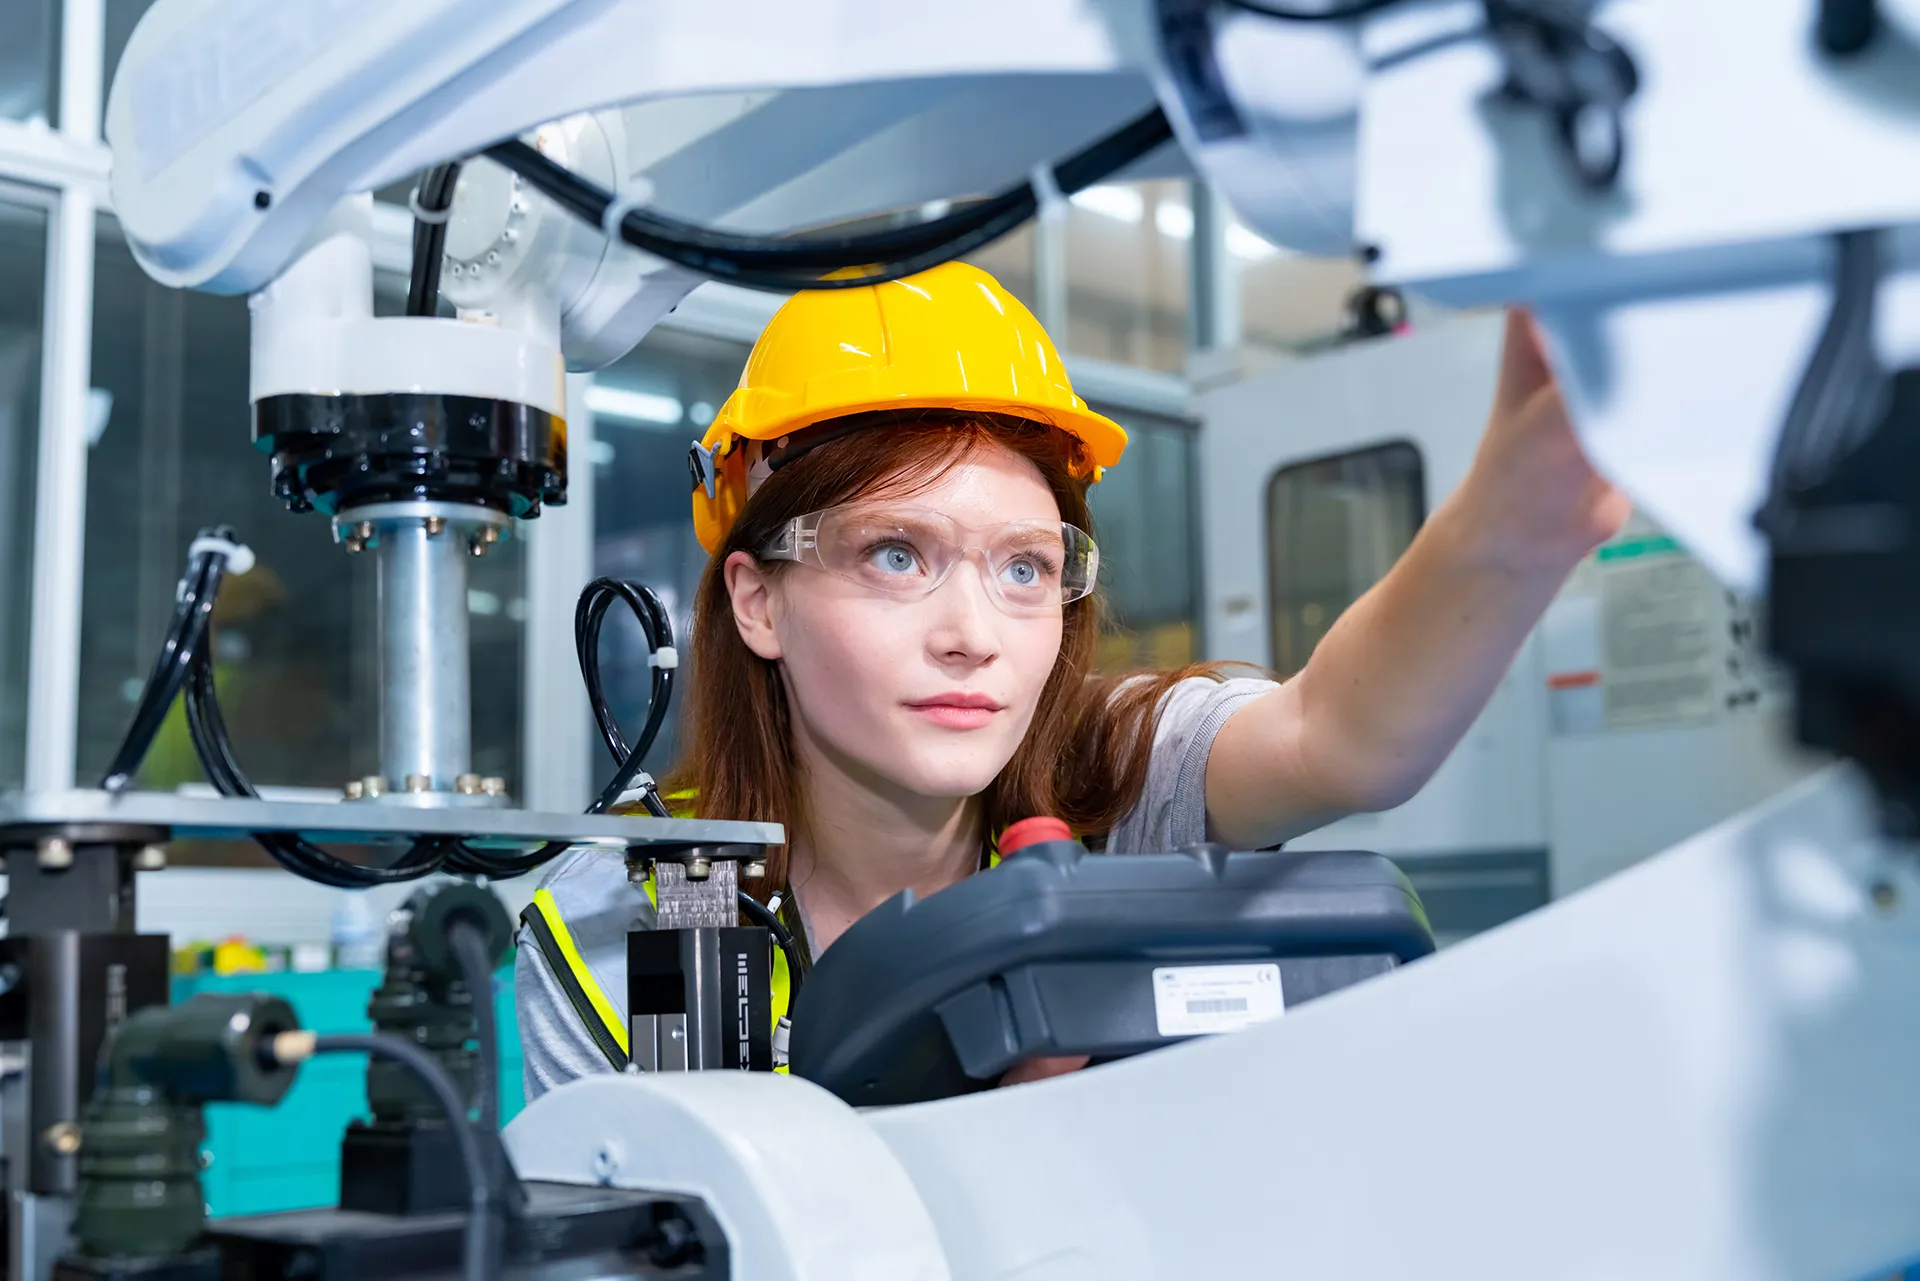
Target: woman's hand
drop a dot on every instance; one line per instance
(1041, 1069)
(1532, 496)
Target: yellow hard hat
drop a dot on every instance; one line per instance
(947, 338)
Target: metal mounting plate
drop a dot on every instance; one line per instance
(365, 823)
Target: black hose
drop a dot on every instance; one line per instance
(589, 614)
(1338, 13)
(185, 636)
(765, 917)
(832, 261)
(434, 195)
(480, 1256)
(469, 944)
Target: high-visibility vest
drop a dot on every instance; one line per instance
(601, 1016)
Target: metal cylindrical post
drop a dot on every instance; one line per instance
(425, 706)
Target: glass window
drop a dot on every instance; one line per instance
(647, 408)
(1128, 252)
(30, 60)
(172, 452)
(23, 263)
(1144, 517)
(1334, 528)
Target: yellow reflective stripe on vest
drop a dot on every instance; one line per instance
(557, 926)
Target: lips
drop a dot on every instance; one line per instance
(957, 710)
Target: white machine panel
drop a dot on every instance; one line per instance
(1700, 1069)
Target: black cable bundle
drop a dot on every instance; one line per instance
(432, 202)
(828, 261)
(185, 667)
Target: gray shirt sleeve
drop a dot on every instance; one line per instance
(1172, 809)
(600, 906)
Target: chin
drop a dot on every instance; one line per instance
(945, 773)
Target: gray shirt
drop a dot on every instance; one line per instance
(600, 906)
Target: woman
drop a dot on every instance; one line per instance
(894, 637)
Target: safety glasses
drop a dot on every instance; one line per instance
(1029, 567)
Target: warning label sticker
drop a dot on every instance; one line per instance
(1197, 1000)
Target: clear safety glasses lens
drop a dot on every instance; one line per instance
(906, 552)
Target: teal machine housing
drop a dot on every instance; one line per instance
(260, 1160)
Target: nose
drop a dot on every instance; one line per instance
(965, 621)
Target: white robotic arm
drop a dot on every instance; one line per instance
(1696, 1070)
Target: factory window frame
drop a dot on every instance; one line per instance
(1335, 526)
(24, 218)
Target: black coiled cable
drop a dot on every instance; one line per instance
(589, 615)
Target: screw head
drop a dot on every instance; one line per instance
(436, 525)
(493, 786)
(62, 1138)
(151, 859)
(55, 854)
(355, 790)
(698, 869)
(364, 530)
(355, 544)
(756, 869)
(468, 784)
(418, 783)
(477, 547)
(373, 785)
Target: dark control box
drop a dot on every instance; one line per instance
(1058, 951)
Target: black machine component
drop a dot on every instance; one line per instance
(699, 985)
(142, 1216)
(1057, 952)
(563, 1231)
(1842, 520)
(74, 972)
(704, 994)
(405, 1159)
(332, 453)
(140, 1193)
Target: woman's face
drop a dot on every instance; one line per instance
(930, 695)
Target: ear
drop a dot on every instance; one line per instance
(752, 594)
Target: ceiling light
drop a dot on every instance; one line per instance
(1122, 203)
(634, 406)
(1173, 219)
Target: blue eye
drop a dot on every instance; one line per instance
(1023, 573)
(893, 558)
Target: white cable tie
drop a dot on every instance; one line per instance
(638, 193)
(433, 217)
(239, 556)
(1051, 202)
(666, 656)
(773, 904)
(638, 790)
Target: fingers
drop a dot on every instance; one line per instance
(1041, 1069)
(1523, 361)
